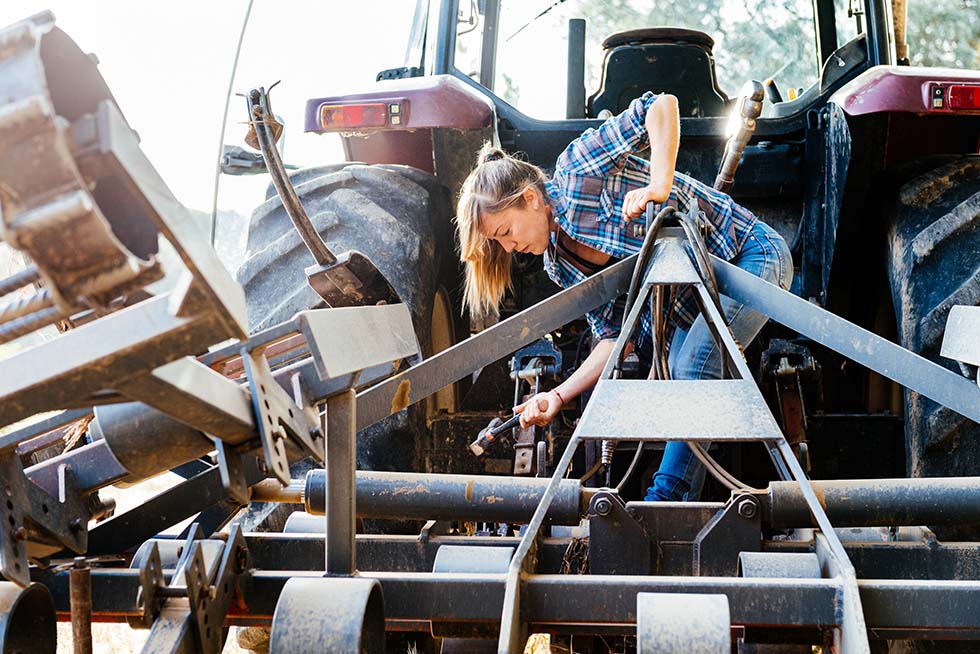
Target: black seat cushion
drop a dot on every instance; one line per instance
(659, 35)
(663, 60)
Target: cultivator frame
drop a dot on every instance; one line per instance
(685, 549)
(766, 566)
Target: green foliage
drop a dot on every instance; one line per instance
(944, 33)
(754, 39)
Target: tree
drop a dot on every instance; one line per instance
(944, 33)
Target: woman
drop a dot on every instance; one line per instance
(579, 221)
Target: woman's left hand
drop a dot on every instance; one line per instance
(635, 202)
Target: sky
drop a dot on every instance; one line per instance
(168, 65)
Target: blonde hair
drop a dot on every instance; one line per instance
(498, 182)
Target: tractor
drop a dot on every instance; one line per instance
(866, 165)
(414, 535)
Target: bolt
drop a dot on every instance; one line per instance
(603, 506)
(20, 533)
(241, 559)
(747, 508)
(75, 524)
(278, 432)
(315, 433)
(80, 563)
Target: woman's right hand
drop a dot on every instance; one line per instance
(539, 409)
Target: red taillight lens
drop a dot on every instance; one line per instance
(963, 96)
(353, 116)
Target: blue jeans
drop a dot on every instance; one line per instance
(694, 355)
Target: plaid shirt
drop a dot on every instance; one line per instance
(592, 177)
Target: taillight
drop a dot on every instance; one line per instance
(964, 96)
(352, 116)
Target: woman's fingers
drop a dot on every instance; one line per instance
(635, 201)
(536, 410)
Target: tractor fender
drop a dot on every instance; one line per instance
(903, 89)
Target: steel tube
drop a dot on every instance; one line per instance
(19, 280)
(134, 433)
(451, 497)
(339, 487)
(575, 99)
(880, 502)
(80, 590)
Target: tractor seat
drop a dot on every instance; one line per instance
(663, 60)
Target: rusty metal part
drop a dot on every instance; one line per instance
(899, 16)
(80, 583)
(341, 280)
(877, 502)
(525, 439)
(796, 378)
(270, 490)
(451, 497)
(27, 619)
(47, 201)
(356, 617)
(82, 201)
(196, 601)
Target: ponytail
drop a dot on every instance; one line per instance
(498, 182)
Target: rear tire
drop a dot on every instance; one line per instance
(933, 265)
(401, 218)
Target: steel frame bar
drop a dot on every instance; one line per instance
(451, 365)
(919, 608)
(341, 494)
(860, 345)
(852, 634)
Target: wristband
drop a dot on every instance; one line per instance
(560, 398)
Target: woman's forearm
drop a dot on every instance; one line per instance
(663, 128)
(587, 374)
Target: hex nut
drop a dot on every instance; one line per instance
(603, 506)
(747, 508)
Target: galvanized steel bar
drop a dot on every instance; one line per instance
(450, 497)
(923, 607)
(860, 345)
(451, 365)
(853, 631)
(879, 502)
(512, 625)
(341, 495)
